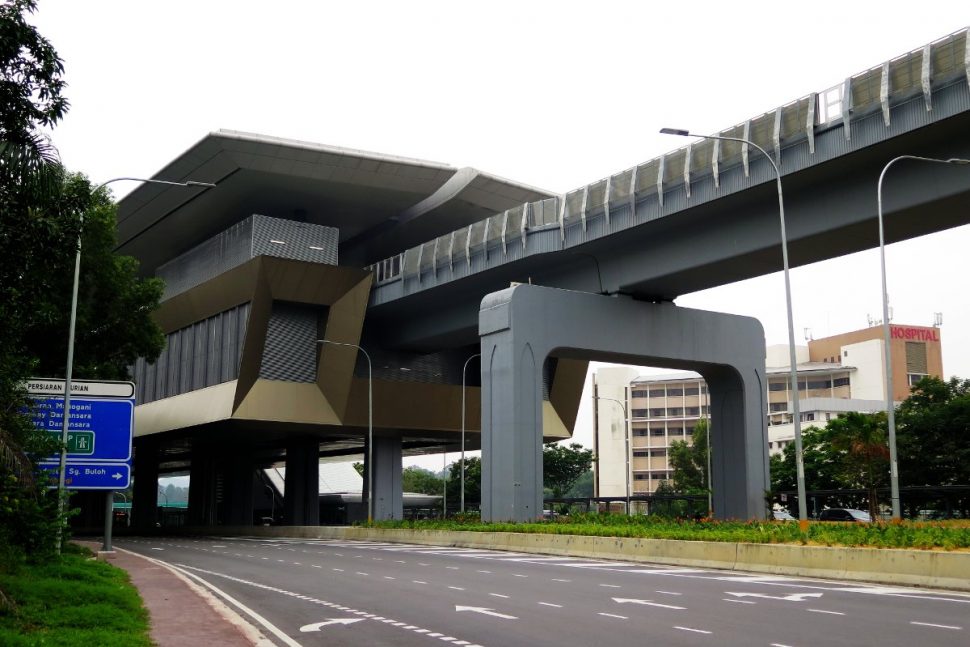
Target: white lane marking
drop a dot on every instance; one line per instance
(668, 592)
(400, 561)
(452, 568)
(218, 547)
(485, 611)
(456, 588)
(613, 615)
(649, 603)
(612, 586)
(517, 575)
(697, 631)
(359, 573)
(792, 597)
(550, 604)
(388, 577)
(778, 645)
(316, 566)
(833, 613)
(418, 582)
(333, 621)
(738, 601)
(930, 624)
(558, 580)
(498, 595)
(297, 564)
(153, 548)
(289, 642)
(339, 570)
(484, 571)
(420, 564)
(264, 557)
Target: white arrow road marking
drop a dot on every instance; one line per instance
(333, 621)
(793, 597)
(649, 603)
(487, 612)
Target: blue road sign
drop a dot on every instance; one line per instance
(91, 476)
(111, 422)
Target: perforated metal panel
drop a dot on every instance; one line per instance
(290, 350)
(255, 236)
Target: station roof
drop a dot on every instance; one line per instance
(378, 202)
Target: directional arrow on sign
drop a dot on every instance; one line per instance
(117, 475)
(332, 621)
(793, 597)
(649, 603)
(487, 612)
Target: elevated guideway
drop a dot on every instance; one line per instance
(706, 214)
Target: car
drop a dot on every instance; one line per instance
(782, 515)
(844, 514)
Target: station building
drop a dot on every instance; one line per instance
(636, 418)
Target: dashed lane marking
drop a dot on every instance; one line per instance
(930, 624)
(390, 621)
(696, 631)
(831, 613)
(613, 615)
(550, 604)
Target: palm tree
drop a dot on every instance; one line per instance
(861, 441)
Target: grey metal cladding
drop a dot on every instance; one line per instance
(257, 235)
(290, 350)
(203, 354)
(299, 241)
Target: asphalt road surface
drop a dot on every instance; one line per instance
(354, 593)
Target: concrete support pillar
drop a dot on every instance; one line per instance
(301, 495)
(388, 499)
(521, 326)
(144, 505)
(238, 480)
(202, 487)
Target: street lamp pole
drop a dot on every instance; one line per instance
(799, 459)
(463, 371)
(890, 401)
(370, 425)
(69, 370)
(626, 438)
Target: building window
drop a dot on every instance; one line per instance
(657, 413)
(657, 453)
(639, 413)
(779, 406)
(638, 394)
(640, 477)
(656, 393)
(693, 411)
(675, 392)
(840, 381)
(656, 432)
(691, 391)
(639, 432)
(913, 378)
(777, 386)
(640, 453)
(675, 412)
(808, 417)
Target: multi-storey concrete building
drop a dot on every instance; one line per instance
(636, 418)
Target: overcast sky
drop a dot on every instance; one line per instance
(553, 94)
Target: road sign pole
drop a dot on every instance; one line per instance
(109, 517)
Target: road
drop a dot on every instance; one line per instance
(335, 593)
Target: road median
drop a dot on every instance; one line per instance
(925, 568)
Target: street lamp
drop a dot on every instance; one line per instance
(62, 464)
(463, 370)
(370, 425)
(799, 460)
(890, 407)
(626, 438)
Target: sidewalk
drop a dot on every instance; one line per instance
(181, 613)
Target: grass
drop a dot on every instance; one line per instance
(71, 601)
(936, 535)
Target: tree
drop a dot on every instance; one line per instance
(820, 468)
(689, 462)
(473, 481)
(933, 433)
(562, 466)
(417, 479)
(582, 488)
(859, 439)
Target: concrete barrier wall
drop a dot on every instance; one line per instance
(935, 569)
